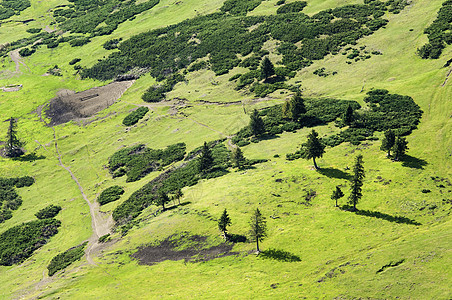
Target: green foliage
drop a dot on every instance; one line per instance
(239, 7)
(33, 30)
(313, 148)
(400, 147)
(48, 212)
(19, 242)
(78, 42)
(62, 260)
(8, 8)
(205, 159)
(161, 199)
(258, 227)
(105, 238)
(294, 108)
(256, 124)
(135, 116)
(357, 182)
(157, 93)
(74, 61)
(388, 141)
(110, 194)
(238, 159)
(9, 199)
(293, 7)
(224, 221)
(438, 33)
(139, 160)
(337, 194)
(112, 44)
(267, 68)
(27, 52)
(348, 116)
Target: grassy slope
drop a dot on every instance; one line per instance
(325, 238)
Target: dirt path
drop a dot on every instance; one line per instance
(99, 224)
(447, 77)
(17, 59)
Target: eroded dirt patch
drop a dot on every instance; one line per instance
(190, 248)
(68, 105)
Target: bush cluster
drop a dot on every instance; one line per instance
(19, 242)
(293, 7)
(135, 116)
(62, 260)
(9, 199)
(48, 212)
(239, 7)
(439, 33)
(137, 161)
(8, 8)
(26, 52)
(110, 194)
(157, 93)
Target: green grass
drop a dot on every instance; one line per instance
(345, 248)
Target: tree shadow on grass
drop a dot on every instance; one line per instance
(235, 238)
(279, 255)
(413, 162)
(380, 215)
(29, 157)
(335, 173)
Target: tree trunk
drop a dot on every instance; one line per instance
(257, 245)
(336, 202)
(389, 153)
(315, 165)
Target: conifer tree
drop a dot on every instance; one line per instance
(400, 147)
(13, 144)
(294, 108)
(267, 68)
(238, 159)
(348, 115)
(337, 194)
(313, 148)
(357, 182)
(388, 141)
(205, 159)
(258, 229)
(178, 194)
(256, 124)
(162, 199)
(224, 222)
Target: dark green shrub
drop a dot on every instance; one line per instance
(26, 52)
(19, 242)
(79, 41)
(293, 7)
(110, 194)
(239, 7)
(105, 238)
(48, 212)
(33, 30)
(74, 61)
(62, 260)
(111, 44)
(135, 116)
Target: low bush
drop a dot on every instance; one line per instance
(27, 52)
(74, 61)
(293, 7)
(62, 260)
(9, 199)
(48, 212)
(110, 194)
(135, 116)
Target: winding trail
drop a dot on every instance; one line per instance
(99, 224)
(447, 77)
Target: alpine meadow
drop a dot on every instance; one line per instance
(226, 149)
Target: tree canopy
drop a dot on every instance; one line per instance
(258, 230)
(357, 182)
(313, 148)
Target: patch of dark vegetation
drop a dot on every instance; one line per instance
(112, 44)
(29, 157)
(19, 242)
(105, 238)
(341, 269)
(172, 180)
(138, 161)
(157, 93)
(380, 215)
(321, 72)
(26, 52)
(74, 61)
(225, 36)
(62, 260)
(190, 248)
(110, 194)
(48, 212)
(9, 8)
(135, 116)
(279, 255)
(438, 33)
(33, 30)
(9, 199)
(392, 264)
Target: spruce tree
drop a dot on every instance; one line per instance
(162, 199)
(294, 108)
(258, 229)
(256, 124)
(337, 194)
(238, 159)
(400, 147)
(267, 68)
(178, 194)
(313, 148)
(224, 222)
(357, 182)
(13, 144)
(205, 159)
(388, 141)
(348, 115)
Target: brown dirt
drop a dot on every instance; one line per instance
(69, 106)
(195, 252)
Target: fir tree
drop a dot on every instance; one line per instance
(258, 229)
(313, 148)
(162, 199)
(177, 195)
(256, 124)
(238, 159)
(224, 222)
(205, 159)
(400, 147)
(388, 141)
(337, 194)
(357, 182)
(348, 115)
(294, 108)
(267, 68)
(13, 144)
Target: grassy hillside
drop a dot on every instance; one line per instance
(370, 254)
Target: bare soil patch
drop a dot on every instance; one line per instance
(69, 106)
(190, 248)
